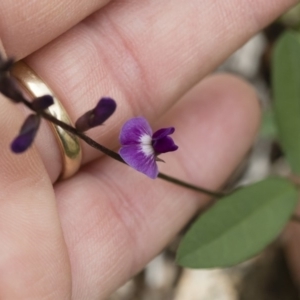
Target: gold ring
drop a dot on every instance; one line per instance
(68, 143)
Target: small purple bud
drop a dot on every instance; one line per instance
(9, 89)
(27, 133)
(97, 116)
(5, 64)
(43, 102)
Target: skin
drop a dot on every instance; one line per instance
(83, 237)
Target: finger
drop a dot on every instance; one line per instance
(33, 257)
(115, 219)
(26, 26)
(145, 55)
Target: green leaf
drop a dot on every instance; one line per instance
(268, 127)
(286, 90)
(239, 225)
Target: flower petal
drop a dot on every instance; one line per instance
(97, 116)
(27, 133)
(162, 133)
(163, 145)
(135, 157)
(133, 130)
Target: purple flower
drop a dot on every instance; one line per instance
(140, 147)
(97, 116)
(27, 133)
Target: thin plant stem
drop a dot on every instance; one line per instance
(116, 156)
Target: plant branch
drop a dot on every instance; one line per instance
(116, 156)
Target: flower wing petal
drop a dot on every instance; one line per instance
(162, 133)
(133, 130)
(163, 145)
(136, 158)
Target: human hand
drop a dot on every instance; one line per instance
(83, 237)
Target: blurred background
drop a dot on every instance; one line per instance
(267, 276)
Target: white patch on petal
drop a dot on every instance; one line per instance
(147, 150)
(146, 146)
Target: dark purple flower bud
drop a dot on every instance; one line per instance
(140, 148)
(43, 102)
(27, 133)
(97, 116)
(5, 64)
(9, 89)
